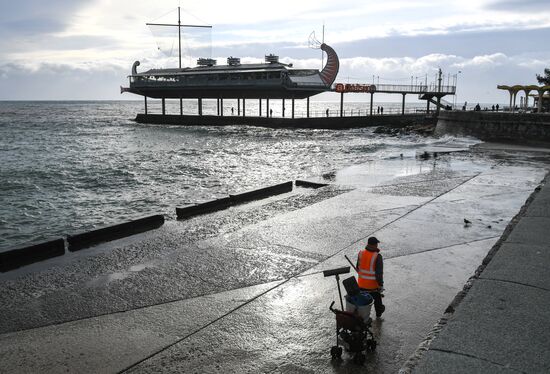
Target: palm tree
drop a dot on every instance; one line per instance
(544, 79)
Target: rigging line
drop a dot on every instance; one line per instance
(194, 16)
(164, 15)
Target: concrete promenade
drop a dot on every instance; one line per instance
(242, 290)
(501, 323)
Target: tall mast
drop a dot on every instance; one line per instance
(179, 35)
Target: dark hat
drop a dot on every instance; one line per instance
(373, 240)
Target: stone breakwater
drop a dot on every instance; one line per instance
(496, 126)
(333, 122)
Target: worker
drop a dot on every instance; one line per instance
(370, 269)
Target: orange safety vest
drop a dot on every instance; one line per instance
(366, 271)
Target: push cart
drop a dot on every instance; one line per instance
(353, 324)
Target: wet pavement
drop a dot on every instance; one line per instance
(501, 324)
(242, 290)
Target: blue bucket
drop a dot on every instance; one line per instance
(361, 299)
(360, 304)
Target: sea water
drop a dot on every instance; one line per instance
(66, 167)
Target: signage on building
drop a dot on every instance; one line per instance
(352, 87)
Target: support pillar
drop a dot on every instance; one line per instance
(200, 106)
(221, 106)
(267, 108)
(163, 106)
(403, 105)
(521, 105)
(238, 107)
(244, 107)
(181, 106)
(341, 104)
(292, 107)
(526, 101)
(260, 106)
(438, 105)
(511, 95)
(539, 106)
(514, 103)
(307, 107)
(145, 104)
(428, 106)
(371, 101)
(218, 106)
(283, 108)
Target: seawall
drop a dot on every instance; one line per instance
(391, 120)
(494, 126)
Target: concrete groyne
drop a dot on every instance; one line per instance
(29, 254)
(232, 200)
(496, 126)
(87, 239)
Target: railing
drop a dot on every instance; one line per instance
(399, 88)
(405, 88)
(355, 112)
(252, 110)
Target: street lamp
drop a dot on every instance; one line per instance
(456, 85)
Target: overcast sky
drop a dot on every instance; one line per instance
(74, 49)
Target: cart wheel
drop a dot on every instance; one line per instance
(336, 352)
(371, 345)
(359, 358)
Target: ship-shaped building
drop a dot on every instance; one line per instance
(269, 80)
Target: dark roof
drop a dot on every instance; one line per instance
(217, 69)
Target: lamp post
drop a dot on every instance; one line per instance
(456, 84)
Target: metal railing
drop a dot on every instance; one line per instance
(422, 88)
(407, 88)
(355, 112)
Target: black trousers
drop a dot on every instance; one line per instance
(378, 306)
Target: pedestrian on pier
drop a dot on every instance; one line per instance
(381, 110)
(232, 111)
(370, 271)
(271, 112)
(326, 112)
(378, 109)
(493, 108)
(497, 107)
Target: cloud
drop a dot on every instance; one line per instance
(519, 5)
(31, 17)
(493, 60)
(46, 81)
(468, 44)
(432, 62)
(77, 40)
